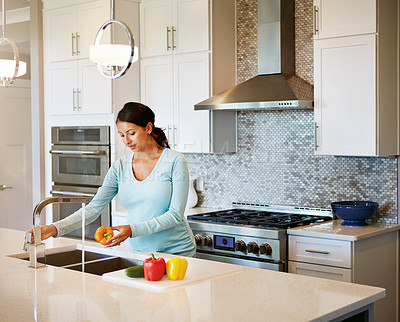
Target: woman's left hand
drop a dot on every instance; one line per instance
(124, 233)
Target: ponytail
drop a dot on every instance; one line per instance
(159, 136)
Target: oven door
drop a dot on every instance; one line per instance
(243, 262)
(63, 210)
(80, 165)
(81, 135)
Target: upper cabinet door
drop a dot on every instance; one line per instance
(155, 28)
(157, 91)
(336, 18)
(60, 34)
(94, 89)
(70, 31)
(190, 26)
(90, 17)
(191, 127)
(345, 96)
(177, 26)
(61, 90)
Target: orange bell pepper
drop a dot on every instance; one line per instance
(103, 234)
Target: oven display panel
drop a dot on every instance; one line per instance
(224, 243)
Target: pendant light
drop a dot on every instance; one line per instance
(113, 60)
(9, 69)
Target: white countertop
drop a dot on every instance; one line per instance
(251, 294)
(334, 230)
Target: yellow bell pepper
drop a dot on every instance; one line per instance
(176, 268)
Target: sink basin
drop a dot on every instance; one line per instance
(106, 265)
(96, 262)
(70, 257)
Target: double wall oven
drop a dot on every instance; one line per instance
(80, 157)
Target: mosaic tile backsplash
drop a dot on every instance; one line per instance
(275, 162)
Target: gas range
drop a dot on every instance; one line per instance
(251, 234)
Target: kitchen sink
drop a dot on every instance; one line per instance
(95, 262)
(105, 265)
(70, 257)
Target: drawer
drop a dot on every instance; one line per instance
(328, 272)
(320, 251)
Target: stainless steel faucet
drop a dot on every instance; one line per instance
(37, 249)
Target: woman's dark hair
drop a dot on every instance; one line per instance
(141, 115)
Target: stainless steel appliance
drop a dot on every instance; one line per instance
(251, 234)
(80, 160)
(80, 155)
(276, 87)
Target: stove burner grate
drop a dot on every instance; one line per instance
(259, 218)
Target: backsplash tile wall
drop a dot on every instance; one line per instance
(275, 162)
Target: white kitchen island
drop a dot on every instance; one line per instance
(248, 294)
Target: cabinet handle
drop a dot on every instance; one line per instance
(317, 251)
(168, 134)
(77, 44)
(316, 136)
(168, 32)
(316, 20)
(174, 135)
(78, 95)
(73, 99)
(73, 44)
(173, 38)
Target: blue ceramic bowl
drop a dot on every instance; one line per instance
(354, 213)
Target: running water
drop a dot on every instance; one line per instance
(83, 236)
(83, 264)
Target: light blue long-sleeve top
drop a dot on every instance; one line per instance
(155, 205)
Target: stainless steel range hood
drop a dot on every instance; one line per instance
(276, 87)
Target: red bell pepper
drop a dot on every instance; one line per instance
(154, 268)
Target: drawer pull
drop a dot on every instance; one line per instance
(317, 251)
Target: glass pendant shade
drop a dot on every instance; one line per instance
(112, 55)
(113, 60)
(7, 68)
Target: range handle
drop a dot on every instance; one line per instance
(78, 152)
(71, 193)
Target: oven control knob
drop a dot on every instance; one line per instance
(208, 241)
(266, 249)
(198, 240)
(252, 248)
(240, 246)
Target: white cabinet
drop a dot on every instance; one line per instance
(178, 70)
(157, 91)
(355, 82)
(178, 26)
(73, 84)
(336, 18)
(331, 259)
(171, 91)
(69, 31)
(345, 96)
(372, 261)
(328, 272)
(76, 87)
(320, 251)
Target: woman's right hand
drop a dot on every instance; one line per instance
(47, 231)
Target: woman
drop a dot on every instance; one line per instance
(152, 184)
